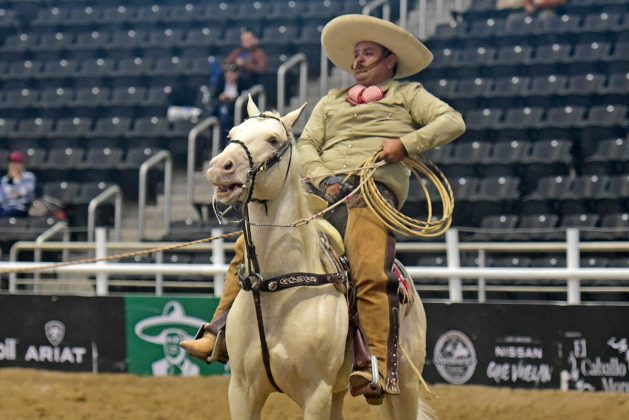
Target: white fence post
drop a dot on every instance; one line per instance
(572, 263)
(101, 252)
(454, 263)
(218, 257)
(482, 293)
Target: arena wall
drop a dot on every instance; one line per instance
(584, 347)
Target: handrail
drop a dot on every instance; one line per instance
(160, 156)
(115, 192)
(281, 79)
(373, 5)
(404, 14)
(422, 19)
(240, 101)
(206, 124)
(59, 227)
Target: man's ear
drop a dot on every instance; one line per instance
(391, 61)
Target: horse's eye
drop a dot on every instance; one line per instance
(273, 141)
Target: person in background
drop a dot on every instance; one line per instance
(17, 188)
(250, 58)
(229, 86)
(532, 6)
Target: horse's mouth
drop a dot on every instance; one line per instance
(228, 193)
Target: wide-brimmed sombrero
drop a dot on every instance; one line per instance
(341, 34)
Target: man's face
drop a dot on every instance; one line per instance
(247, 40)
(16, 168)
(231, 76)
(367, 54)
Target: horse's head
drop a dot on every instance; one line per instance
(262, 146)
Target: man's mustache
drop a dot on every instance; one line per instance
(362, 68)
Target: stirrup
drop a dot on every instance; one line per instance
(219, 352)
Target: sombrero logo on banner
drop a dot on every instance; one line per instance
(168, 330)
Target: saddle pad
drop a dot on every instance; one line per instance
(335, 238)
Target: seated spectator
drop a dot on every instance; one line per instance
(532, 6)
(17, 188)
(250, 58)
(227, 90)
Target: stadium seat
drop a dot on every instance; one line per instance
(483, 119)
(493, 227)
(533, 226)
(63, 191)
(19, 99)
(583, 191)
(100, 164)
(91, 97)
(505, 158)
(36, 128)
(54, 41)
(615, 198)
(585, 222)
(71, 128)
(465, 155)
(96, 67)
(543, 198)
(611, 156)
(111, 127)
(57, 97)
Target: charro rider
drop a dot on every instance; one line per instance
(347, 127)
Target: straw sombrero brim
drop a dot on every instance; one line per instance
(341, 34)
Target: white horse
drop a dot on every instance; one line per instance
(306, 327)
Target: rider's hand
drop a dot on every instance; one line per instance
(393, 151)
(333, 190)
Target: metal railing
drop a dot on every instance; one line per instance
(375, 4)
(255, 90)
(206, 124)
(102, 248)
(114, 192)
(56, 229)
(404, 14)
(161, 156)
(572, 274)
(281, 79)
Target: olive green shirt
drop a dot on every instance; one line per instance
(341, 136)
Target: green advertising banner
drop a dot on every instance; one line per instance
(154, 328)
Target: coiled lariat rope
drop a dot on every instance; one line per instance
(395, 219)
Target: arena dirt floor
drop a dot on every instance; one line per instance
(31, 394)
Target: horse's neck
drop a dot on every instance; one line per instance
(282, 250)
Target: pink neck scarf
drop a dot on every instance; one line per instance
(359, 94)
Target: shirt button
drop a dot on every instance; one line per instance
(355, 115)
(350, 146)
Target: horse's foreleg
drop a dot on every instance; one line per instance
(318, 404)
(336, 413)
(245, 403)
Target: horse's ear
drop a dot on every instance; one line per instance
(252, 109)
(290, 118)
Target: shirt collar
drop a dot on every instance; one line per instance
(386, 84)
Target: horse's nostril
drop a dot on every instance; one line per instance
(229, 165)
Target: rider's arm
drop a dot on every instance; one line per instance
(440, 123)
(311, 143)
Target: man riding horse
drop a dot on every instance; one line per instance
(347, 127)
